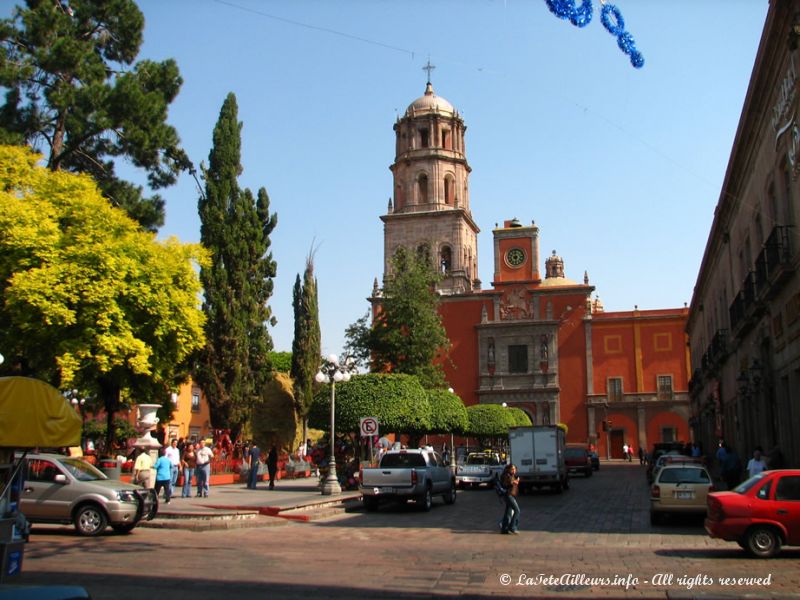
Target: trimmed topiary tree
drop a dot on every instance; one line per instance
(489, 421)
(448, 413)
(520, 417)
(398, 401)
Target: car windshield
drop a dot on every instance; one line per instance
(754, 480)
(81, 470)
(684, 475)
(402, 459)
(574, 453)
(482, 460)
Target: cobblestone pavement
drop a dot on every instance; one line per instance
(595, 540)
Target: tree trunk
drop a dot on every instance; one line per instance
(109, 392)
(57, 149)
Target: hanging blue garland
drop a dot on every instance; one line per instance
(565, 9)
(611, 18)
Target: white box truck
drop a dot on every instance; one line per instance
(538, 453)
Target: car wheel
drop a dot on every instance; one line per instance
(588, 472)
(123, 527)
(370, 503)
(763, 542)
(426, 500)
(450, 496)
(655, 518)
(90, 520)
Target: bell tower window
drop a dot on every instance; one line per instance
(422, 189)
(447, 139)
(446, 259)
(449, 190)
(424, 138)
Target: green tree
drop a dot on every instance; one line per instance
(489, 421)
(407, 335)
(89, 299)
(306, 345)
(519, 416)
(357, 336)
(281, 361)
(234, 366)
(448, 413)
(399, 401)
(74, 91)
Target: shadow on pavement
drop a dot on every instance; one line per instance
(130, 587)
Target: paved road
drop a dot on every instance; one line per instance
(593, 541)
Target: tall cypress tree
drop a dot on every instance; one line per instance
(235, 227)
(306, 346)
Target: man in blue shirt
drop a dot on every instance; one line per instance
(163, 469)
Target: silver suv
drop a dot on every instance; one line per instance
(60, 489)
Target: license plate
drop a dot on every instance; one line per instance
(385, 490)
(684, 495)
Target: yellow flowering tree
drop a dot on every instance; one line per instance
(87, 297)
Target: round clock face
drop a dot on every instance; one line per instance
(515, 257)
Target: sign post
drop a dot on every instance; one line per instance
(369, 428)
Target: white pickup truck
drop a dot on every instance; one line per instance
(408, 475)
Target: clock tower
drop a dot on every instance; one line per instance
(429, 209)
(516, 253)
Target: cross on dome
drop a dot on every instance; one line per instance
(429, 67)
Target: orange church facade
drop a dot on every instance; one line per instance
(535, 340)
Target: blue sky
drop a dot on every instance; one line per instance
(620, 168)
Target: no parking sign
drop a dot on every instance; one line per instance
(369, 426)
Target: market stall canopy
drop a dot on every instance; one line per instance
(34, 414)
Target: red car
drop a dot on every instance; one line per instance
(761, 515)
(577, 458)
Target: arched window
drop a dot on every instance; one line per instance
(446, 259)
(422, 189)
(449, 189)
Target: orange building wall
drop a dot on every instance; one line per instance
(459, 318)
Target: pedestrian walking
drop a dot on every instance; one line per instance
(174, 455)
(641, 455)
(625, 451)
(188, 464)
(272, 466)
(202, 471)
(253, 460)
(757, 464)
(163, 469)
(142, 469)
(731, 468)
(510, 483)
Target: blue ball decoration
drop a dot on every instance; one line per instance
(612, 20)
(615, 27)
(582, 16)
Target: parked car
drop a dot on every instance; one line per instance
(667, 459)
(408, 475)
(577, 459)
(761, 515)
(679, 488)
(62, 489)
(659, 449)
(480, 467)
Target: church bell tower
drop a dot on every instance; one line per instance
(429, 209)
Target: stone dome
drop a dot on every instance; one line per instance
(429, 102)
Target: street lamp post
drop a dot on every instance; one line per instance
(332, 372)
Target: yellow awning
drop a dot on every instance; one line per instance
(34, 414)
